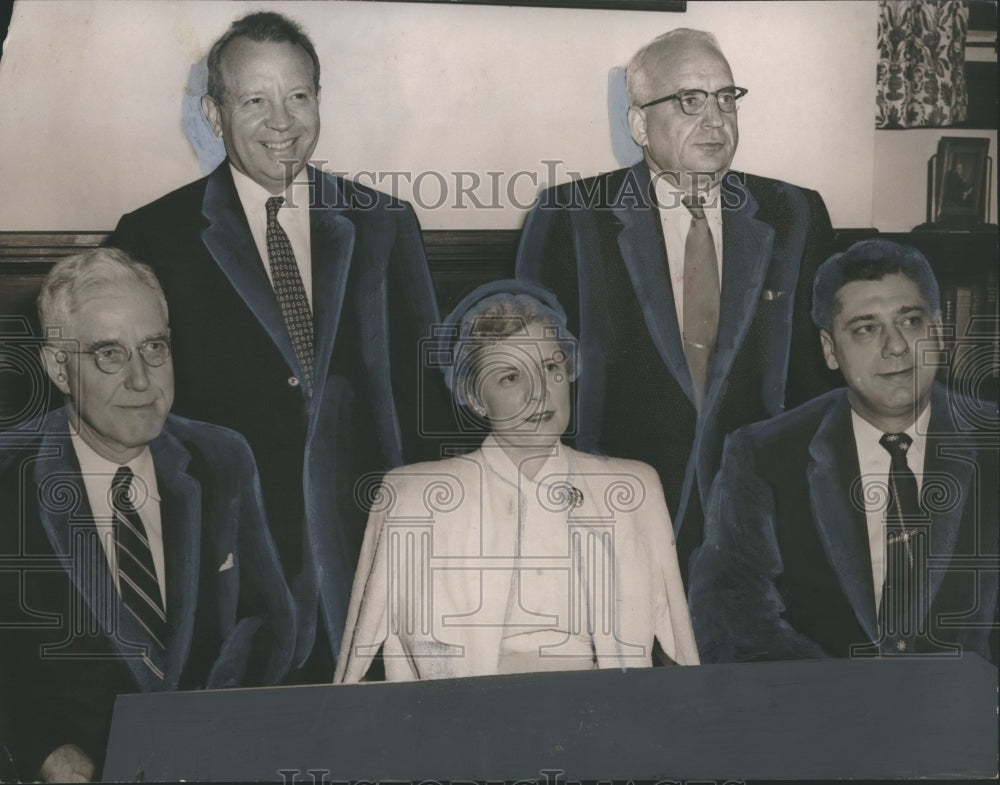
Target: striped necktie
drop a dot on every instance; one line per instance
(140, 590)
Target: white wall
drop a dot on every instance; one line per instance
(91, 95)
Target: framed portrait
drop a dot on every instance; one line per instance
(960, 180)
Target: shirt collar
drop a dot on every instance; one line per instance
(500, 463)
(93, 465)
(868, 437)
(253, 196)
(670, 197)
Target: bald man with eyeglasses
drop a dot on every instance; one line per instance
(687, 283)
(134, 551)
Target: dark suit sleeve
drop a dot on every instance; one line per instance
(808, 376)
(9, 592)
(423, 403)
(34, 718)
(257, 650)
(45, 701)
(125, 236)
(143, 241)
(736, 608)
(546, 254)
(8, 769)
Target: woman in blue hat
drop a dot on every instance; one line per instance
(525, 554)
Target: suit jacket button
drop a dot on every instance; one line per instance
(293, 381)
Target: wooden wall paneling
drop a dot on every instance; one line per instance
(459, 261)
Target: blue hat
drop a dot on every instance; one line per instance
(459, 323)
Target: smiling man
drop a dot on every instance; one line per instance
(862, 523)
(692, 322)
(298, 301)
(134, 553)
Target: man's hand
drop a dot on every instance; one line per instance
(67, 763)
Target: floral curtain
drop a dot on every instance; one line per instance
(921, 64)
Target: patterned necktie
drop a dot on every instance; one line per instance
(140, 590)
(701, 299)
(899, 611)
(289, 290)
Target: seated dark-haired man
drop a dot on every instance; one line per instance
(863, 522)
(134, 553)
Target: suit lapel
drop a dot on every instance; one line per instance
(949, 466)
(645, 258)
(333, 236)
(746, 254)
(228, 239)
(841, 524)
(71, 533)
(70, 528)
(180, 514)
(747, 245)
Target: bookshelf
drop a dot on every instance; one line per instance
(966, 265)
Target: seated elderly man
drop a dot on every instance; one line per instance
(134, 552)
(864, 522)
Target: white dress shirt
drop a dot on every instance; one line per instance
(875, 461)
(293, 217)
(676, 221)
(97, 475)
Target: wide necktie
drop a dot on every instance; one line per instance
(140, 590)
(290, 291)
(905, 551)
(701, 299)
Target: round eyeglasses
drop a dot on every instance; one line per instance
(694, 101)
(112, 357)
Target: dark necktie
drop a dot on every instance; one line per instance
(289, 290)
(899, 613)
(140, 591)
(701, 299)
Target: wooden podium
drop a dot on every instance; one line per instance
(871, 719)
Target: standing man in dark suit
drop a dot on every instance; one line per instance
(134, 553)
(864, 522)
(679, 348)
(299, 300)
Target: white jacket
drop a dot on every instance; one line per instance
(445, 537)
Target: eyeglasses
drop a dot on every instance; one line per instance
(112, 357)
(694, 101)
